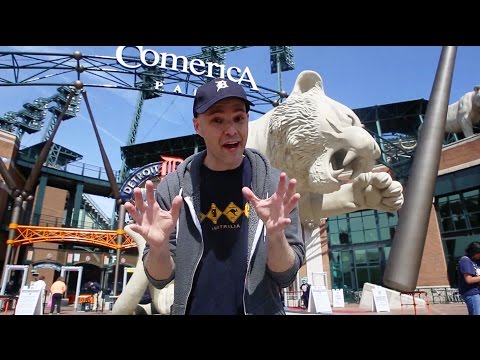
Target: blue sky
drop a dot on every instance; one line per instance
(357, 76)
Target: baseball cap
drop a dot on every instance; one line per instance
(215, 90)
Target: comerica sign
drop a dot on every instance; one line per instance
(183, 64)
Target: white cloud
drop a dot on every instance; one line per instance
(108, 133)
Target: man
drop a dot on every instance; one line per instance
(94, 289)
(225, 224)
(305, 287)
(40, 284)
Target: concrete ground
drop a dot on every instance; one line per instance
(349, 309)
(353, 309)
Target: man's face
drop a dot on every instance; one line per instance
(224, 128)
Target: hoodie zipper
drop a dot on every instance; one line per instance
(260, 230)
(189, 202)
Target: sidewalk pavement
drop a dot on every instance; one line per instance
(349, 309)
(353, 309)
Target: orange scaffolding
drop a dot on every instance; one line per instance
(28, 234)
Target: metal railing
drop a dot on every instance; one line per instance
(442, 295)
(75, 167)
(293, 299)
(56, 221)
(352, 296)
(89, 170)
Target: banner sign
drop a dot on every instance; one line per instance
(157, 169)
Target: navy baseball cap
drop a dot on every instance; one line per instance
(215, 90)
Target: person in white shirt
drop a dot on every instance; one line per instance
(40, 284)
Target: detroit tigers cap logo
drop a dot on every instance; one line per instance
(215, 90)
(221, 84)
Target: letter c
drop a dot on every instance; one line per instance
(119, 55)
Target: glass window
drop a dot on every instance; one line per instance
(455, 204)
(369, 222)
(473, 193)
(385, 234)
(332, 226)
(382, 220)
(376, 276)
(443, 207)
(342, 225)
(335, 259)
(450, 246)
(362, 277)
(345, 261)
(334, 239)
(471, 204)
(356, 224)
(461, 243)
(360, 257)
(447, 224)
(392, 219)
(475, 220)
(459, 222)
(347, 279)
(337, 279)
(387, 249)
(371, 235)
(373, 255)
(344, 238)
(453, 198)
(459, 212)
(357, 237)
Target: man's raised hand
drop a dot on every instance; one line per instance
(275, 210)
(152, 222)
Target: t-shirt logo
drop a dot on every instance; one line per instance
(232, 212)
(214, 213)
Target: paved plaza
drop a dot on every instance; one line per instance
(349, 309)
(435, 309)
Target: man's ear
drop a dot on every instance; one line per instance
(196, 126)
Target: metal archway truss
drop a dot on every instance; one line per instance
(106, 238)
(56, 69)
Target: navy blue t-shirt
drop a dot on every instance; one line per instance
(219, 281)
(468, 266)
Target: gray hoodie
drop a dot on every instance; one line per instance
(261, 293)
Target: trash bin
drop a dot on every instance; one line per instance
(86, 306)
(84, 303)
